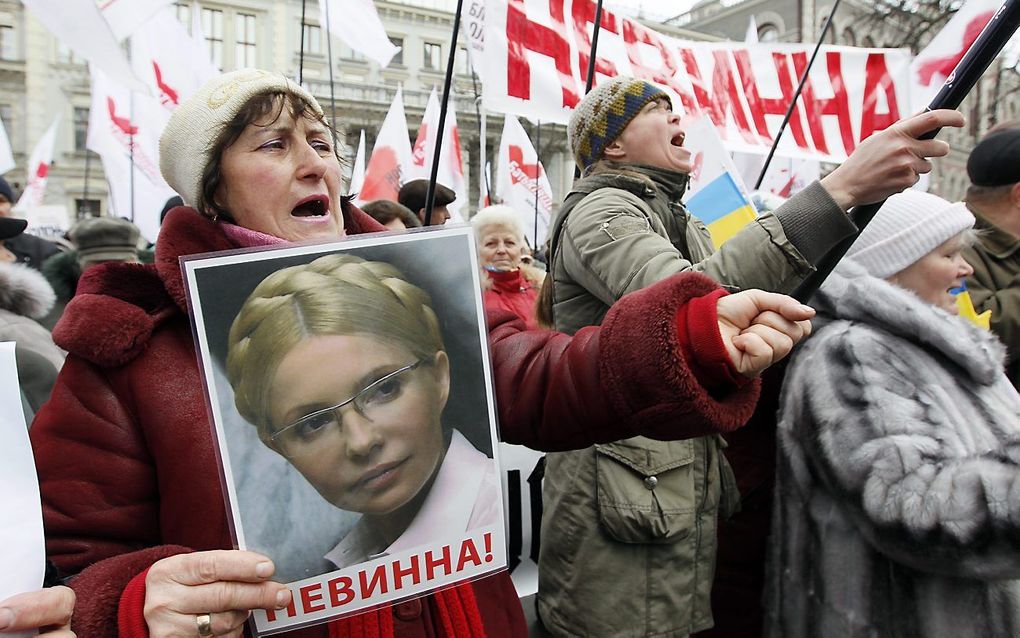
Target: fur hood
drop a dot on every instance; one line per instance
(851, 294)
(134, 299)
(24, 291)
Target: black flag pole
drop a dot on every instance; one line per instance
(538, 162)
(590, 79)
(796, 96)
(979, 56)
(430, 195)
(481, 129)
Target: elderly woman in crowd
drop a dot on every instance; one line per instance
(132, 499)
(898, 489)
(507, 282)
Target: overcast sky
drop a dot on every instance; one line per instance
(650, 8)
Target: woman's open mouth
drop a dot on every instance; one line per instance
(313, 208)
(678, 139)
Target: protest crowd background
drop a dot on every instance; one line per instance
(682, 451)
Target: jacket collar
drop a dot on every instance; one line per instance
(640, 179)
(995, 240)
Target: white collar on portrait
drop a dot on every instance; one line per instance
(464, 495)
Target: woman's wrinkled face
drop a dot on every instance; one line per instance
(500, 248)
(282, 178)
(373, 455)
(933, 276)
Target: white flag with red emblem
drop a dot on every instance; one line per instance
(172, 62)
(358, 174)
(6, 155)
(38, 168)
(521, 180)
(390, 163)
(120, 123)
(126, 16)
(931, 67)
(79, 25)
(451, 162)
(357, 24)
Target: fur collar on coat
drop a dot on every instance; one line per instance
(851, 294)
(24, 291)
(134, 299)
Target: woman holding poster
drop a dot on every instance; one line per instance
(341, 367)
(132, 498)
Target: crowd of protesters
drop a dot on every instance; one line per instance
(639, 347)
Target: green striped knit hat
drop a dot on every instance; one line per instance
(603, 114)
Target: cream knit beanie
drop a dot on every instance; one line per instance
(185, 148)
(909, 225)
(604, 112)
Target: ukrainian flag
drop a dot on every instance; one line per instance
(722, 207)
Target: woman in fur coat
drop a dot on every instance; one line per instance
(25, 296)
(898, 482)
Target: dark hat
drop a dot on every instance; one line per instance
(105, 239)
(995, 161)
(413, 193)
(11, 226)
(6, 190)
(170, 204)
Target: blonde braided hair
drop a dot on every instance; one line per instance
(331, 296)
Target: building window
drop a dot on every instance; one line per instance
(184, 16)
(81, 128)
(8, 47)
(86, 207)
(768, 33)
(212, 29)
(867, 42)
(244, 35)
(347, 53)
(849, 38)
(65, 55)
(398, 59)
(433, 56)
(313, 39)
(463, 63)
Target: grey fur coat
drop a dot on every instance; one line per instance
(898, 482)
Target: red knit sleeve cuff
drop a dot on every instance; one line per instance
(703, 348)
(131, 612)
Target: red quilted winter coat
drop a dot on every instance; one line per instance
(124, 448)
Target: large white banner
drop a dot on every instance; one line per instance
(536, 60)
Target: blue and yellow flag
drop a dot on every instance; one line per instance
(723, 208)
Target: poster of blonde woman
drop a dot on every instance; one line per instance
(349, 388)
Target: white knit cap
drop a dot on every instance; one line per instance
(909, 225)
(185, 148)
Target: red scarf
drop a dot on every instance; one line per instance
(457, 610)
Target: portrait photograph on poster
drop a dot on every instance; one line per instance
(349, 386)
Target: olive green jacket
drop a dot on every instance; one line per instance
(995, 286)
(629, 528)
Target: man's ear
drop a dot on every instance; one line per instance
(614, 151)
(1014, 195)
(421, 214)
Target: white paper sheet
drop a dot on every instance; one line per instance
(22, 552)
